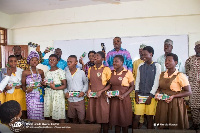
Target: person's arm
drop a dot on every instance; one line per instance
(184, 83)
(187, 92)
(4, 83)
(107, 61)
(45, 62)
(137, 82)
(24, 74)
(62, 87)
(82, 63)
(134, 70)
(131, 88)
(129, 63)
(85, 84)
(89, 84)
(155, 85)
(156, 80)
(181, 67)
(187, 66)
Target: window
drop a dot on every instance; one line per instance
(3, 36)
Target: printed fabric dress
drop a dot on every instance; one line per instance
(54, 100)
(35, 99)
(171, 115)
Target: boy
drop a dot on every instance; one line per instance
(147, 82)
(76, 81)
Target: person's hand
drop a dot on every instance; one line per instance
(105, 55)
(29, 89)
(46, 51)
(43, 83)
(156, 96)
(9, 71)
(67, 95)
(88, 93)
(98, 94)
(38, 48)
(136, 98)
(81, 61)
(148, 101)
(52, 86)
(18, 87)
(121, 97)
(81, 94)
(170, 99)
(8, 87)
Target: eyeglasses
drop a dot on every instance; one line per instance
(53, 60)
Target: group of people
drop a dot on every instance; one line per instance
(43, 95)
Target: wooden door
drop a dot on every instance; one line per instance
(8, 50)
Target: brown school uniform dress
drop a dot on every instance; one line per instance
(120, 110)
(98, 108)
(174, 114)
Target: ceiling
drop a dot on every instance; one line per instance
(25, 6)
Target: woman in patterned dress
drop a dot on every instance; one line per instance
(34, 93)
(54, 99)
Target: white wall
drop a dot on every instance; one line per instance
(5, 23)
(137, 18)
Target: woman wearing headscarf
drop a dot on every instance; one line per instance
(31, 84)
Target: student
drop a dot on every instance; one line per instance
(34, 94)
(76, 81)
(98, 107)
(54, 99)
(13, 85)
(172, 112)
(120, 107)
(89, 64)
(8, 111)
(147, 82)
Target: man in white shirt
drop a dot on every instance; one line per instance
(168, 46)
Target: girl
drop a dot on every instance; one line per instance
(98, 107)
(31, 83)
(54, 99)
(120, 107)
(172, 113)
(13, 88)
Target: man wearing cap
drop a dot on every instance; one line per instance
(168, 46)
(192, 67)
(118, 51)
